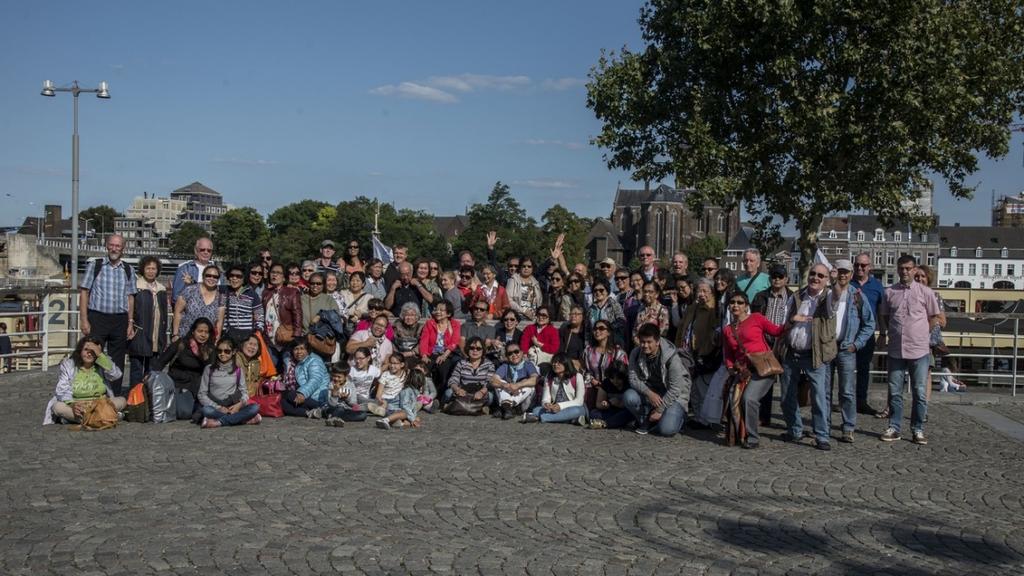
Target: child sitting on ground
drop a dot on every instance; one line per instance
(420, 380)
(341, 401)
(403, 409)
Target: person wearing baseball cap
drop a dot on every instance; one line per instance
(855, 323)
(325, 263)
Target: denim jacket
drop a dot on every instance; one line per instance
(860, 321)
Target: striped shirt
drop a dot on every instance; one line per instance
(469, 379)
(109, 291)
(244, 310)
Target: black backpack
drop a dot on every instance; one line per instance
(97, 265)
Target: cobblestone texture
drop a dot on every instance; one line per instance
(481, 496)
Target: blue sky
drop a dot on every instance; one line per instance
(423, 104)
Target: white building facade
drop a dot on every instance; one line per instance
(981, 257)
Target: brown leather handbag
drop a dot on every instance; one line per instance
(764, 364)
(100, 414)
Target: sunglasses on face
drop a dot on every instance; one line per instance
(315, 283)
(709, 269)
(859, 265)
(621, 278)
(376, 307)
(310, 270)
(224, 350)
(353, 247)
(478, 348)
(234, 275)
(214, 276)
(255, 272)
(510, 319)
(199, 250)
(817, 275)
(513, 352)
(267, 258)
(600, 329)
(575, 281)
(600, 291)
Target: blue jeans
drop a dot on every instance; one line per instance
(899, 369)
(672, 417)
(864, 356)
(241, 417)
(570, 414)
(798, 363)
(846, 365)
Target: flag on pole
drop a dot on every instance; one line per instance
(819, 258)
(382, 252)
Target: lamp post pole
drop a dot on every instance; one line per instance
(101, 92)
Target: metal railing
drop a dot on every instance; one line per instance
(54, 333)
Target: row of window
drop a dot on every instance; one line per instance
(972, 269)
(897, 236)
(1004, 252)
(890, 258)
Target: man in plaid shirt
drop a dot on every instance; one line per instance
(106, 301)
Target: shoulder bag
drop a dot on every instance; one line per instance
(764, 364)
(100, 414)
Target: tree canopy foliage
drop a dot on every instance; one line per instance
(502, 213)
(800, 109)
(238, 234)
(182, 242)
(100, 218)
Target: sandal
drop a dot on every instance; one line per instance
(882, 413)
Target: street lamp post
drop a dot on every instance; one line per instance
(101, 92)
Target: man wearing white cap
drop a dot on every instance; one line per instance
(608, 268)
(855, 324)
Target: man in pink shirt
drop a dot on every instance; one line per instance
(905, 312)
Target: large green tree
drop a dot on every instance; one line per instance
(182, 241)
(798, 109)
(238, 234)
(502, 213)
(297, 229)
(101, 219)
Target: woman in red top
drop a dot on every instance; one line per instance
(749, 329)
(540, 338)
(439, 344)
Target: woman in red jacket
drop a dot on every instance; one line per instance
(745, 335)
(439, 344)
(541, 339)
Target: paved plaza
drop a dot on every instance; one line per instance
(482, 496)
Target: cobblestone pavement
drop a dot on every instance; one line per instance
(481, 496)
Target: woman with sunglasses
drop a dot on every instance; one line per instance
(374, 308)
(506, 331)
(223, 394)
(699, 335)
(540, 339)
(515, 382)
(316, 301)
(600, 355)
(745, 335)
(471, 376)
(243, 311)
(293, 277)
(573, 295)
(282, 308)
(606, 308)
(524, 292)
(351, 261)
(203, 300)
(555, 290)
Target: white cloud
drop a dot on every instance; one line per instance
(561, 143)
(473, 82)
(546, 183)
(560, 84)
(244, 162)
(416, 92)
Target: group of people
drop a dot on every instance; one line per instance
(653, 349)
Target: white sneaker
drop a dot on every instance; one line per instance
(384, 424)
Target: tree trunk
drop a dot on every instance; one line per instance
(808, 243)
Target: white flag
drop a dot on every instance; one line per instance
(382, 252)
(819, 258)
